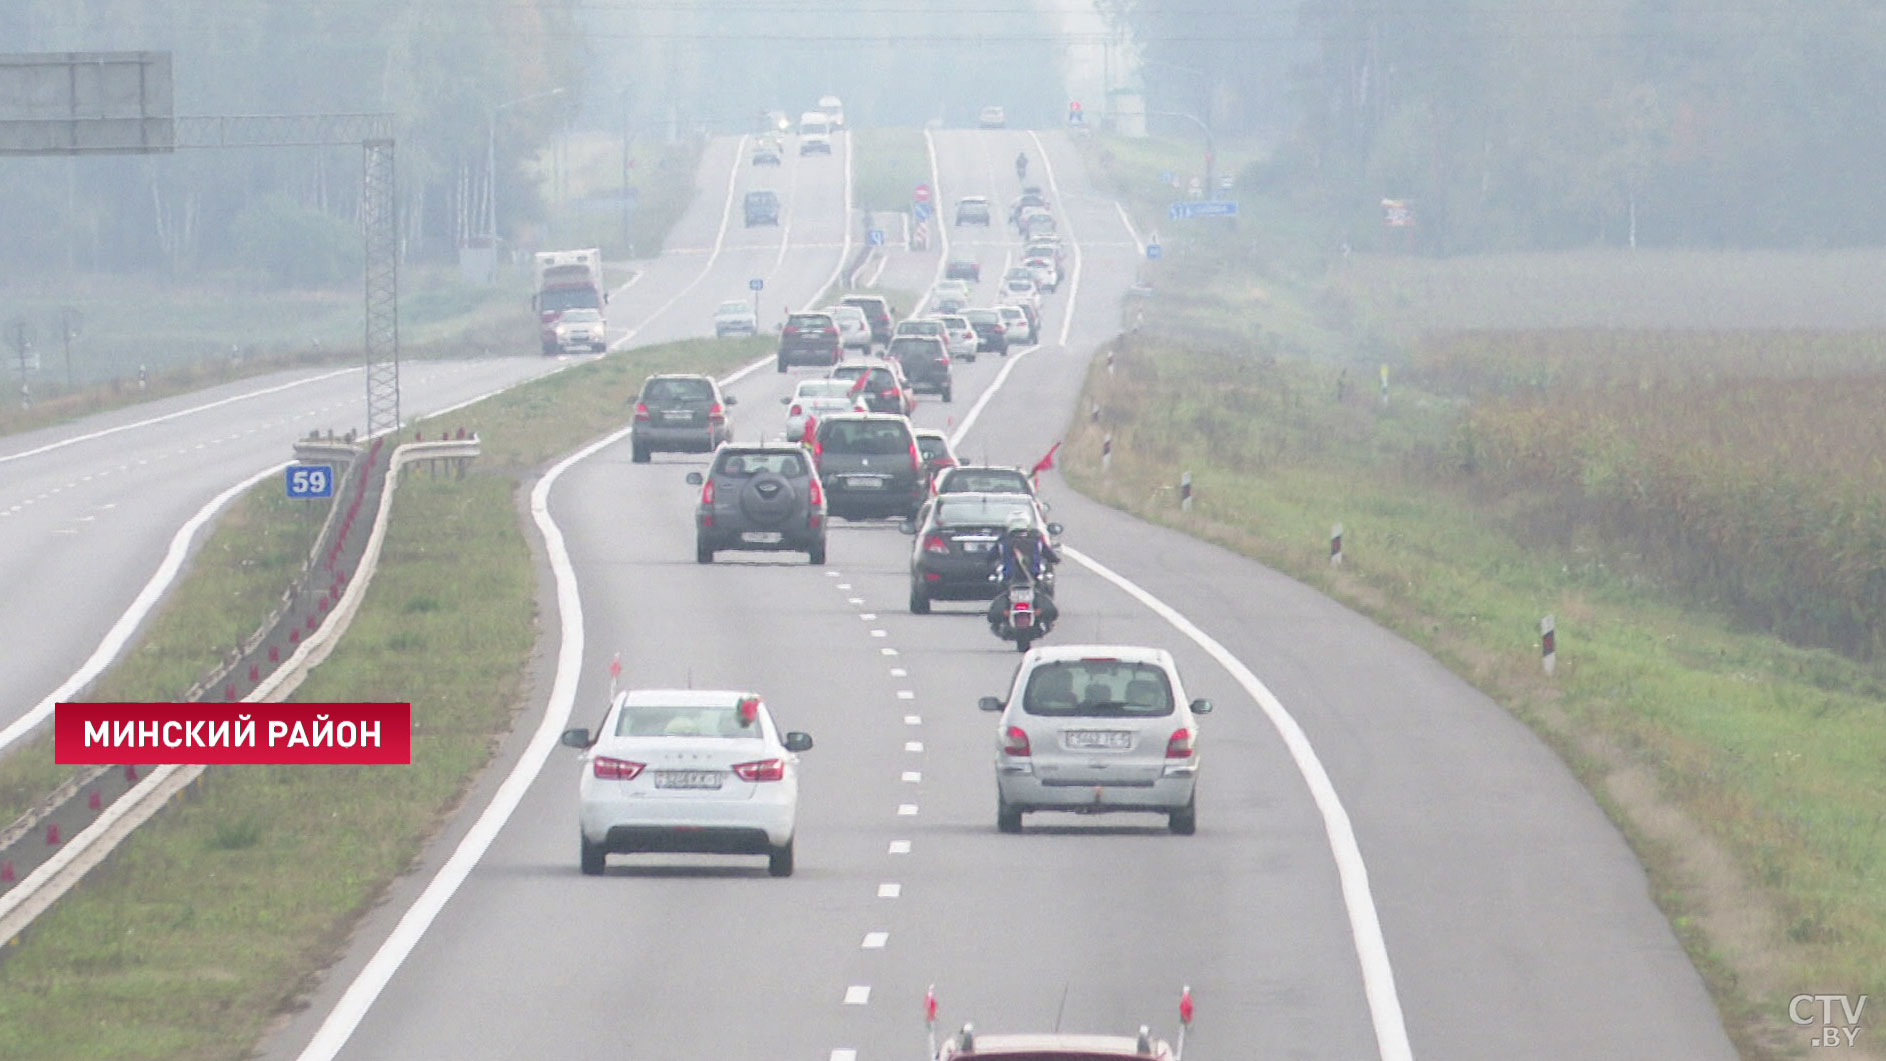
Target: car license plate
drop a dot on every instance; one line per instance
(970, 546)
(760, 536)
(1097, 738)
(687, 779)
(677, 414)
(865, 482)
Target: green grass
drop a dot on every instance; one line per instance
(1773, 750)
(208, 922)
(662, 176)
(887, 165)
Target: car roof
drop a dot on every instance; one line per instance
(690, 697)
(736, 303)
(1123, 653)
(835, 417)
(983, 199)
(681, 375)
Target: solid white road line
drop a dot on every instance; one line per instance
(127, 624)
(1074, 285)
(720, 240)
(1378, 976)
(936, 214)
(1139, 245)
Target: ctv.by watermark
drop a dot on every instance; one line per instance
(1834, 1018)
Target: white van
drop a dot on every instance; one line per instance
(815, 133)
(834, 110)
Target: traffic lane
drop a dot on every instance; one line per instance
(94, 519)
(1501, 886)
(1109, 908)
(689, 927)
(691, 247)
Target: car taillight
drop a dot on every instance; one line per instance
(761, 770)
(944, 361)
(641, 410)
(916, 459)
(815, 494)
(607, 769)
(707, 492)
(935, 543)
(791, 329)
(831, 331)
(1015, 741)
(1179, 745)
(796, 410)
(716, 414)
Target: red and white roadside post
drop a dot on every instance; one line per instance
(1335, 546)
(615, 674)
(1185, 1018)
(929, 1018)
(1548, 644)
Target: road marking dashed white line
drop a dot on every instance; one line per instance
(844, 585)
(899, 672)
(906, 694)
(888, 651)
(913, 746)
(833, 574)
(876, 940)
(913, 720)
(913, 777)
(858, 995)
(899, 847)
(867, 616)
(880, 633)
(889, 890)
(844, 1055)
(854, 600)
(906, 810)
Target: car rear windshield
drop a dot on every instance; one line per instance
(930, 447)
(913, 346)
(921, 327)
(1098, 688)
(824, 388)
(716, 720)
(732, 307)
(809, 320)
(678, 390)
(985, 482)
(765, 462)
(869, 438)
(982, 316)
(981, 511)
(870, 305)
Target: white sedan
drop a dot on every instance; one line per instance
(815, 399)
(960, 337)
(688, 770)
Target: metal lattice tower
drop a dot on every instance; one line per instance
(379, 224)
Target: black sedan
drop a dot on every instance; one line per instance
(958, 538)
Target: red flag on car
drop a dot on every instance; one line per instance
(864, 380)
(1046, 463)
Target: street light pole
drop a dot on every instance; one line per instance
(491, 161)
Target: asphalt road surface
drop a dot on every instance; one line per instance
(1513, 919)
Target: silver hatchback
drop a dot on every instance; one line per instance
(1097, 728)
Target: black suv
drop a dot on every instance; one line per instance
(869, 465)
(991, 333)
(759, 497)
(809, 339)
(885, 389)
(679, 413)
(958, 536)
(762, 207)
(878, 312)
(925, 361)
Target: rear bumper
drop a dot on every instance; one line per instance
(811, 355)
(678, 439)
(720, 538)
(955, 584)
(852, 504)
(1022, 790)
(729, 827)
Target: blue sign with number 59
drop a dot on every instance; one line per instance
(307, 481)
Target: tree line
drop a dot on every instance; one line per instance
(1520, 124)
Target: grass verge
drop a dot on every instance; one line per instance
(1769, 753)
(207, 923)
(887, 165)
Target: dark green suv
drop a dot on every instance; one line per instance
(870, 465)
(679, 413)
(764, 497)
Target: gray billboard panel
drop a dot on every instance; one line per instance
(76, 103)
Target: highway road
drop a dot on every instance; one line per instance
(95, 515)
(1387, 864)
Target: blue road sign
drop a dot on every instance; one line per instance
(1153, 250)
(875, 237)
(307, 481)
(1202, 208)
(755, 284)
(921, 211)
(1166, 178)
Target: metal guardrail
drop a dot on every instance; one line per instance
(43, 887)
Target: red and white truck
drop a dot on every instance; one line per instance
(565, 280)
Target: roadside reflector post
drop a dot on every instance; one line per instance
(1384, 386)
(1106, 454)
(1548, 644)
(1109, 361)
(1335, 546)
(615, 673)
(1185, 1018)
(1185, 492)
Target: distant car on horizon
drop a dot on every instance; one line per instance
(992, 117)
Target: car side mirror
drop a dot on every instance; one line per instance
(907, 526)
(989, 703)
(729, 399)
(1055, 529)
(798, 742)
(576, 738)
(1201, 706)
(787, 400)
(694, 479)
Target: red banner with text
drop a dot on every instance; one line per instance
(220, 734)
